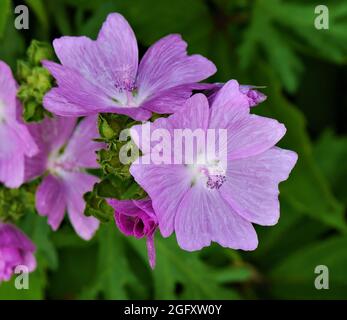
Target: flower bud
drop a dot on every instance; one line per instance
(39, 51)
(15, 249)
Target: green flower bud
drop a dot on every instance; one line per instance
(105, 129)
(39, 79)
(110, 125)
(35, 81)
(23, 70)
(24, 92)
(32, 111)
(39, 51)
(14, 203)
(98, 207)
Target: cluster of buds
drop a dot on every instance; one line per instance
(15, 202)
(34, 80)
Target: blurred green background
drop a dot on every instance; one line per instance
(271, 43)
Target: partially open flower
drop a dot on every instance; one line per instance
(15, 249)
(137, 218)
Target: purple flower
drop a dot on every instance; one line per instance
(64, 154)
(215, 200)
(254, 96)
(15, 139)
(104, 75)
(15, 249)
(137, 218)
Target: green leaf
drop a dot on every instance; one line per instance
(39, 9)
(5, 6)
(37, 285)
(307, 190)
(61, 17)
(182, 275)
(280, 29)
(232, 275)
(331, 154)
(15, 45)
(330, 44)
(261, 35)
(113, 272)
(38, 230)
(77, 268)
(294, 277)
(277, 242)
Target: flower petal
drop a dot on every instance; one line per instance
(146, 206)
(11, 157)
(171, 100)
(125, 207)
(24, 138)
(76, 185)
(12, 237)
(229, 106)
(12, 170)
(166, 65)
(14, 133)
(248, 134)
(166, 186)
(118, 44)
(35, 166)
(82, 148)
(151, 250)
(50, 135)
(253, 135)
(30, 261)
(75, 96)
(204, 216)
(82, 55)
(194, 115)
(8, 92)
(251, 187)
(51, 200)
(253, 96)
(111, 59)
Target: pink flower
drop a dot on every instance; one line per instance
(253, 95)
(137, 218)
(15, 139)
(15, 249)
(104, 75)
(65, 152)
(218, 200)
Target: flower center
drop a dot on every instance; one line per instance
(64, 165)
(58, 164)
(210, 172)
(125, 86)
